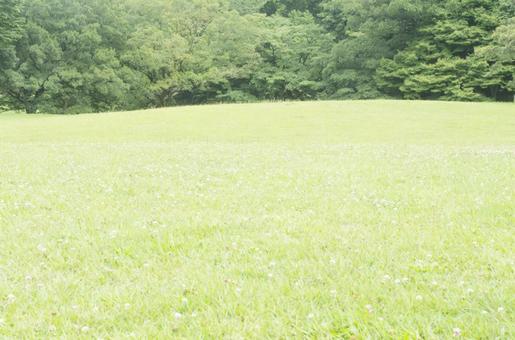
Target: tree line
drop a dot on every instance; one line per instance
(72, 56)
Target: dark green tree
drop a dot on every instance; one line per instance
(441, 64)
(367, 32)
(71, 56)
(11, 21)
(285, 7)
(65, 59)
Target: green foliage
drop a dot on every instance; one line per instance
(70, 56)
(285, 7)
(65, 59)
(293, 51)
(499, 55)
(247, 6)
(29, 69)
(11, 21)
(371, 31)
(441, 62)
(236, 96)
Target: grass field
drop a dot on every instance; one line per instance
(354, 220)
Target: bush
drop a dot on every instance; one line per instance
(236, 97)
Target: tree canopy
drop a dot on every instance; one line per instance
(71, 56)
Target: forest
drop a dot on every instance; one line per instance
(73, 56)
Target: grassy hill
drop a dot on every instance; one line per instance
(398, 122)
(379, 219)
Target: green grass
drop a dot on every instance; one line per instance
(378, 219)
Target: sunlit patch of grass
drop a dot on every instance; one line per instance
(360, 219)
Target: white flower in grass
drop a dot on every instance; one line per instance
(419, 298)
(177, 316)
(84, 329)
(52, 328)
(470, 291)
(456, 332)
(42, 248)
(11, 298)
(311, 316)
(333, 261)
(386, 278)
(127, 306)
(500, 309)
(369, 308)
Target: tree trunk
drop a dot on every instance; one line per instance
(31, 108)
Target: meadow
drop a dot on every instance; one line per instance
(352, 220)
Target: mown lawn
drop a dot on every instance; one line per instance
(379, 219)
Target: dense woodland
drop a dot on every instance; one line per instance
(71, 56)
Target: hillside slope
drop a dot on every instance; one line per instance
(290, 220)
